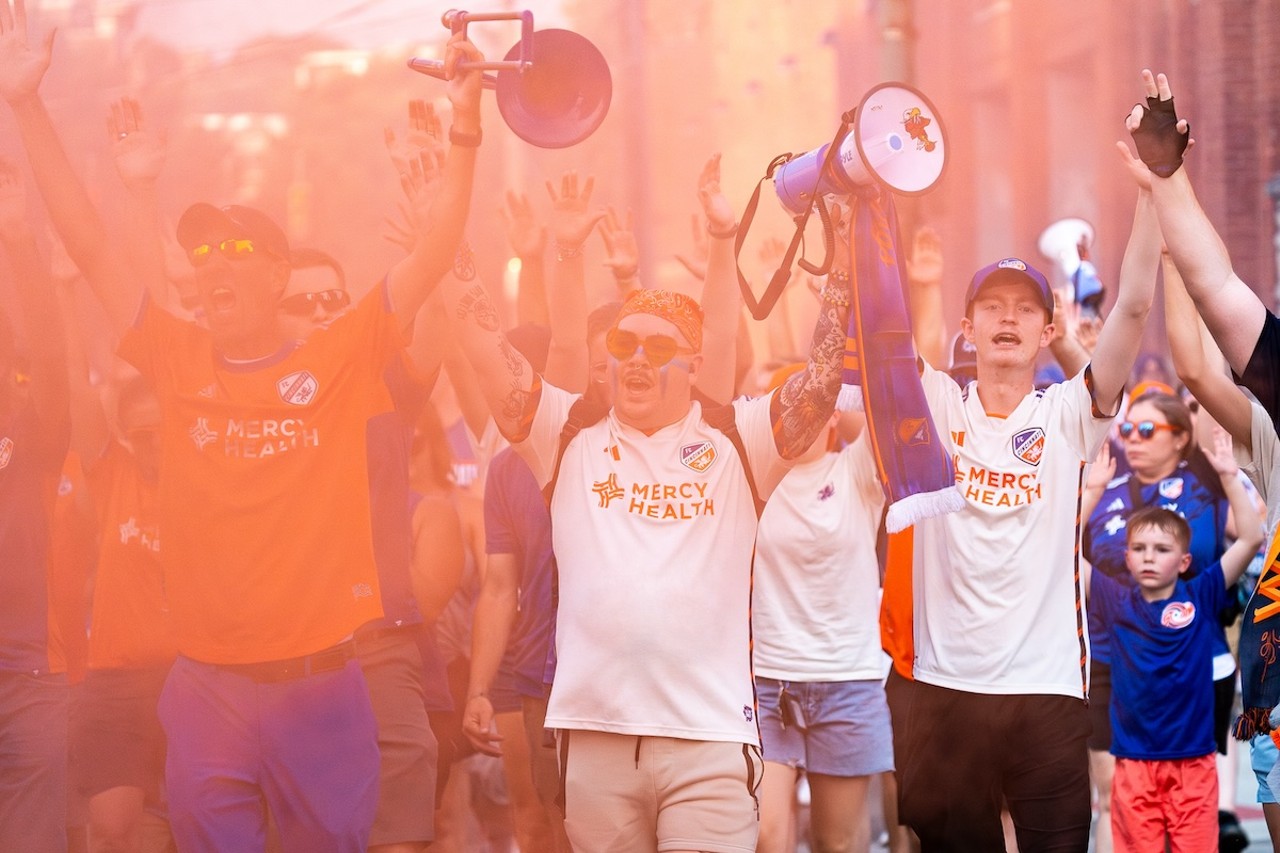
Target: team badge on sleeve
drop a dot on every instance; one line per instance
(1028, 445)
(698, 457)
(298, 388)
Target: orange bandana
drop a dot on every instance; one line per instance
(679, 310)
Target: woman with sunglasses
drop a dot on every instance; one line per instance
(1156, 440)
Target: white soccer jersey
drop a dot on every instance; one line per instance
(816, 608)
(998, 606)
(653, 537)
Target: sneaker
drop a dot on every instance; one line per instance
(1231, 835)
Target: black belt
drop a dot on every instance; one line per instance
(325, 660)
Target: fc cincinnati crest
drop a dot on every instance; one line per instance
(698, 457)
(297, 388)
(1171, 489)
(1028, 445)
(1178, 614)
(913, 431)
(6, 451)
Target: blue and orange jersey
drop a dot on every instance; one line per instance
(265, 493)
(130, 623)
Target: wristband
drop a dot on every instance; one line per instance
(465, 140)
(565, 252)
(726, 234)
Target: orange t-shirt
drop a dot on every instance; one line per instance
(264, 483)
(130, 627)
(896, 636)
(73, 549)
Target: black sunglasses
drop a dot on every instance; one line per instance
(304, 304)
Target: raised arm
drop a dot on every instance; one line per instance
(801, 407)
(924, 294)
(1248, 522)
(721, 298)
(22, 67)
(441, 226)
(528, 239)
(1101, 472)
(1197, 362)
(1121, 335)
(139, 152)
(1232, 311)
(572, 221)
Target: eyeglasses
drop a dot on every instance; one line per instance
(304, 304)
(234, 250)
(1145, 429)
(658, 349)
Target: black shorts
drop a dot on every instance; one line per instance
(897, 692)
(116, 739)
(969, 753)
(1100, 705)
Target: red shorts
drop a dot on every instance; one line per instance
(1177, 796)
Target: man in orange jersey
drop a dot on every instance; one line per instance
(268, 470)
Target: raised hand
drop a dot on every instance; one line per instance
(424, 133)
(22, 65)
(715, 206)
(1221, 455)
(464, 85)
(572, 219)
(924, 266)
(622, 252)
(1161, 137)
(527, 235)
(139, 153)
(1102, 471)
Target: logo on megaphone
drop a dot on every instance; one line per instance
(553, 86)
(896, 140)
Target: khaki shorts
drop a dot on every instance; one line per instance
(626, 793)
(407, 774)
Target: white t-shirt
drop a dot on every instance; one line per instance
(816, 606)
(998, 604)
(653, 537)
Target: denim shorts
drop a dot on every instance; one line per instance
(845, 728)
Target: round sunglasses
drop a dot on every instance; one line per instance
(658, 349)
(1145, 430)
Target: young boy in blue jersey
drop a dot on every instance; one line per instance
(1161, 630)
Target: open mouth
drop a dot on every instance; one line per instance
(222, 298)
(1007, 338)
(637, 382)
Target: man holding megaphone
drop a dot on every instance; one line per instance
(997, 709)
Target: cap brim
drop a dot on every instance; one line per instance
(197, 220)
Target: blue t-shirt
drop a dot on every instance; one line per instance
(1201, 503)
(1161, 665)
(516, 521)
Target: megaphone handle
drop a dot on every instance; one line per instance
(828, 237)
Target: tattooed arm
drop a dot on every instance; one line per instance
(801, 407)
(504, 377)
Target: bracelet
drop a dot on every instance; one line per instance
(565, 252)
(465, 140)
(726, 234)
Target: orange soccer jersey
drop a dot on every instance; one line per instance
(130, 623)
(265, 482)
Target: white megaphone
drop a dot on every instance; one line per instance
(1062, 243)
(896, 140)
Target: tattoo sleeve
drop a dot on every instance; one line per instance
(803, 404)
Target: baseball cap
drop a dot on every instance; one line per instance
(1010, 269)
(964, 359)
(199, 219)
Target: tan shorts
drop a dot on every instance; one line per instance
(407, 779)
(625, 793)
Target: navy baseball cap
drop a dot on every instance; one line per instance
(199, 219)
(1010, 269)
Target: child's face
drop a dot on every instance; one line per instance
(1155, 559)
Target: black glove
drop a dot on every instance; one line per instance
(1160, 145)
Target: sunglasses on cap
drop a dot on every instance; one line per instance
(658, 349)
(1144, 429)
(233, 250)
(304, 304)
